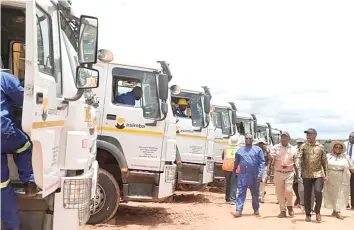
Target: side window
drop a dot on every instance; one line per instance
(125, 92)
(140, 93)
(44, 43)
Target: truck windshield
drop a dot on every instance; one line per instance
(262, 132)
(276, 138)
(193, 109)
(223, 120)
(244, 126)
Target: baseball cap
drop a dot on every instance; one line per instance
(300, 140)
(286, 134)
(311, 130)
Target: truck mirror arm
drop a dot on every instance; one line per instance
(78, 95)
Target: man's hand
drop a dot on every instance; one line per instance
(268, 171)
(259, 179)
(325, 179)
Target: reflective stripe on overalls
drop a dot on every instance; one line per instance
(229, 159)
(24, 147)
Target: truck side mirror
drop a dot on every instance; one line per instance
(207, 104)
(163, 87)
(86, 78)
(88, 40)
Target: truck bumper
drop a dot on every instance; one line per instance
(195, 173)
(149, 186)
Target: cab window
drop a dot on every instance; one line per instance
(44, 43)
(133, 88)
(189, 105)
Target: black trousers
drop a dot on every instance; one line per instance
(296, 191)
(352, 190)
(318, 184)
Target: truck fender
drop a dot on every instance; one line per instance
(112, 146)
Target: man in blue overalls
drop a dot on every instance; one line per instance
(250, 158)
(13, 141)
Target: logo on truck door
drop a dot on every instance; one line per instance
(121, 124)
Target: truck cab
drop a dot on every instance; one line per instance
(245, 124)
(47, 47)
(195, 138)
(136, 137)
(224, 120)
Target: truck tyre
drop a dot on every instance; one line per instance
(192, 187)
(217, 183)
(107, 198)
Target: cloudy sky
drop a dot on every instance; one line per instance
(289, 62)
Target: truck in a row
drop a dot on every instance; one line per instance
(91, 151)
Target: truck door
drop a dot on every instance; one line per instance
(41, 119)
(134, 126)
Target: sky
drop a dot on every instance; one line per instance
(289, 62)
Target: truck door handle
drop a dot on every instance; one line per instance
(39, 98)
(111, 117)
(151, 124)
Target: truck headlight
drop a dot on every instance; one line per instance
(210, 166)
(170, 173)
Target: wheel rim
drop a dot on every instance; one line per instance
(99, 200)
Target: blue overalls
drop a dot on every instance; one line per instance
(252, 164)
(125, 98)
(13, 141)
(179, 113)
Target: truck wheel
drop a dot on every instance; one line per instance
(106, 200)
(218, 183)
(192, 187)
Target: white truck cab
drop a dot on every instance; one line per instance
(195, 139)
(224, 120)
(136, 138)
(245, 124)
(51, 51)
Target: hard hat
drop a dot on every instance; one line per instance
(182, 101)
(234, 140)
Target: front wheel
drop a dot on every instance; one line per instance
(192, 187)
(107, 198)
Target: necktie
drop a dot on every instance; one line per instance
(350, 151)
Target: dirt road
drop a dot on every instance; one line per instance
(207, 210)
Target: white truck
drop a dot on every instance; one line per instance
(136, 148)
(224, 120)
(195, 140)
(275, 135)
(52, 51)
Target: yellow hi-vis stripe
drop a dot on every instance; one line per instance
(4, 184)
(24, 147)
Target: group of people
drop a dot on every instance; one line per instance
(306, 169)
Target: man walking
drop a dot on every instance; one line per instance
(251, 161)
(228, 157)
(350, 153)
(312, 156)
(284, 164)
(299, 182)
